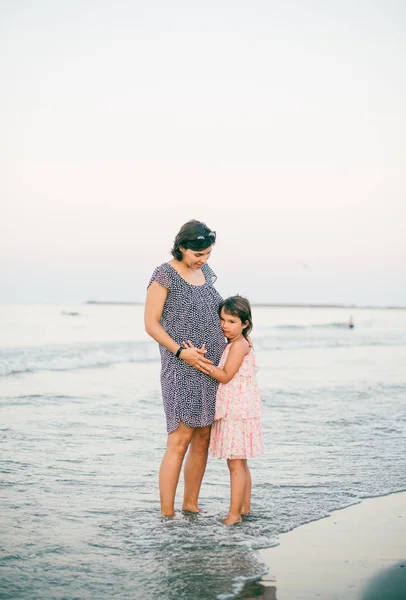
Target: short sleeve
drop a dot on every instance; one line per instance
(210, 275)
(161, 276)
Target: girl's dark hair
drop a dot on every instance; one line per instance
(239, 307)
(193, 235)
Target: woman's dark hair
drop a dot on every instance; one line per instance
(193, 235)
(239, 307)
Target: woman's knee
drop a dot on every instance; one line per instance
(201, 439)
(179, 440)
(178, 446)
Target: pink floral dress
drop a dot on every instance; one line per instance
(237, 430)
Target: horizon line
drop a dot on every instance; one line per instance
(267, 305)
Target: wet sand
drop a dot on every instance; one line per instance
(358, 553)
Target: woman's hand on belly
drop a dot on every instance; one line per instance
(195, 358)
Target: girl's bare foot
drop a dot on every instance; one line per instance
(168, 515)
(232, 519)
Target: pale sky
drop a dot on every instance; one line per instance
(280, 123)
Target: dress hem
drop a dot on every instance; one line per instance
(190, 426)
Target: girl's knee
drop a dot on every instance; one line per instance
(235, 464)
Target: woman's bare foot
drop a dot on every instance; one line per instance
(232, 519)
(191, 508)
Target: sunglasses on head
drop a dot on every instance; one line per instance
(210, 236)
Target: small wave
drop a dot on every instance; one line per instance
(78, 356)
(102, 354)
(332, 325)
(36, 399)
(341, 341)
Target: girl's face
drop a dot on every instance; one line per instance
(231, 325)
(195, 259)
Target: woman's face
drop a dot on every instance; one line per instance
(195, 259)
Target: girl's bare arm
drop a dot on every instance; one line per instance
(238, 351)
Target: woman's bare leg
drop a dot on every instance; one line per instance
(195, 467)
(177, 444)
(237, 484)
(246, 505)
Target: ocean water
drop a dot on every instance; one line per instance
(82, 433)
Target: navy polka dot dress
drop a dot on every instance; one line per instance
(190, 313)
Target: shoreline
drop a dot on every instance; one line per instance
(355, 553)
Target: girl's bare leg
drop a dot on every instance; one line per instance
(246, 505)
(177, 444)
(237, 484)
(195, 467)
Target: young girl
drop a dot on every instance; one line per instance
(237, 433)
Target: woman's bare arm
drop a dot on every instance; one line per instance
(154, 305)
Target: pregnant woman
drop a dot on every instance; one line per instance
(182, 304)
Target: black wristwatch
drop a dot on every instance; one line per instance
(179, 351)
